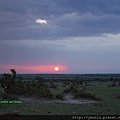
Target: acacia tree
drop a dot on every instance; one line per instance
(13, 76)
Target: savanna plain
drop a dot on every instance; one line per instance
(60, 94)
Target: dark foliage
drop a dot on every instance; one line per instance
(60, 96)
(7, 96)
(53, 86)
(67, 90)
(83, 94)
(14, 85)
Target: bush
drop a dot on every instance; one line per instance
(44, 93)
(71, 89)
(86, 83)
(59, 96)
(5, 96)
(119, 84)
(18, 88)
(49, 96)
(75, 90)
(9, 96)
(25, 82)
(53, 86)
(83, 94)
(63, 85)
(67, 90)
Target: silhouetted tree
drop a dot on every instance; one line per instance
(13, 76)
(13, 73)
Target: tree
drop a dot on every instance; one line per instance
(13, 76)
(19, 87)
(8, 80)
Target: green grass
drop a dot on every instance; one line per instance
(62, 109)
(59, 89)
(109, 105)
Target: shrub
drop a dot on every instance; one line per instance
(114, 83)
(25, 82)
(44, 93)
(49, 96)
(53, 86)
(83, 94)
(18, 88)
(86, 83)
(67, 90)
(75, 90)
(119, 84)
(63, 85)
(71, 89)
(59, 96)
(5, 96)
(9, 96)
(79, 82)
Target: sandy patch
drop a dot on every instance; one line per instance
(68, 99)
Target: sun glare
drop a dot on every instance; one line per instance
(56, 68)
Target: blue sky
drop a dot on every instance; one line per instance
(81, 36)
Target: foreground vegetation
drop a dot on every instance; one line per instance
(105, 92)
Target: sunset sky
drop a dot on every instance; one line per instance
(78, 36)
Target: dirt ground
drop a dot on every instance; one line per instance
(68, 99)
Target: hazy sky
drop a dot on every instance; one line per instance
(79, 36)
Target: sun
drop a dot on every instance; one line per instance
(56, 68)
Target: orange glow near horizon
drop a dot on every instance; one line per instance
(33, 69)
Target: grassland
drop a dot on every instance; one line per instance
(108, 105)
